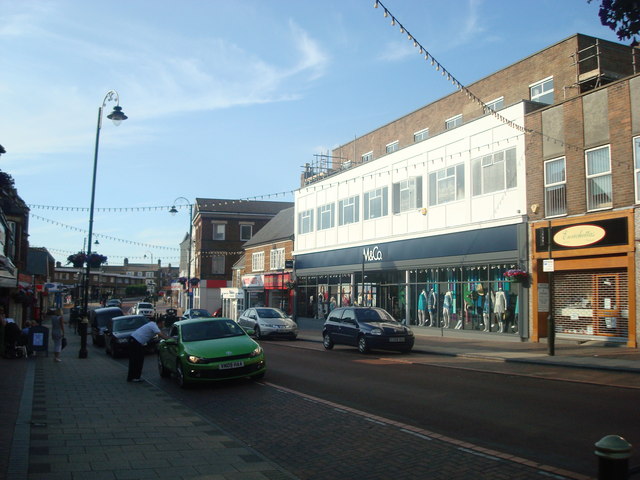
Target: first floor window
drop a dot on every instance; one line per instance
(375, 203)
(494, 172)
(305, 221)
(246, 231)
(555, 187)
(326, 215)
(636, 156)
(257, 262)
(217, 265)
(219, 231)
(407, 194)
(277, 259)
(348, 210)
(446, 185)
(599, 190)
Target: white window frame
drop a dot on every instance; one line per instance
(349, 210)
(601, 178)
(215, 233)
(257, 262)
(440, 178)
(407, 194)
(453, 122)
(244, 238)
(421, 135)
(495, 105)
(305, 221)
(486, 165)
(326, 216)
(544, 90)
(276, 259)
(374, 200)
(367, 157)
(217, 264)
(636, 162)
(393, 146)
(553, 185)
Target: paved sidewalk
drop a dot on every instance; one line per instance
(80, 419)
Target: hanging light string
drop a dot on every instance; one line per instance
(67, 252)
(459, 86)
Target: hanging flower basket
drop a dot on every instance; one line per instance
(77, 259)
(290, 285)
(95, 260)
(194, 281)
(516, 275)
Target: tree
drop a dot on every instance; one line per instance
(621, 16)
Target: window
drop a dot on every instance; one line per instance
(305, 221)
(407, 194)
(218, 231)
(497, 104)
(257, 262)
(542, 91)
(599, 193)
(393, 147)
(149, 274)
(277, 259)
(494, 172)
(636, 155)
(348, 210)
(367, 157)
(375, 203)
(217, 265)
(326, 216)
(453, 122)
(446, 185)
(421, 135)
(555, 187)
(246, 232)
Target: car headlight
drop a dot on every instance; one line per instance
(408, 331)
(257, 352)
(194, 359)
(376, 331)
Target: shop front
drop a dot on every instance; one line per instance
(454, 281)
(277, 291)
(254, 293)
(584, 278)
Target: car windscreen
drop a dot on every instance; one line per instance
(102, 319)
(270, 313)
(373, 315)
(123, 324)
(145, 305)
(199, 313)
(198, 331)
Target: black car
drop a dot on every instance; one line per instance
(366, 328)
(99, 321)
(119, 331)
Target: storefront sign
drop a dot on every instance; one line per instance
(579, 235)
(252, 281)
(372, 254)
(548, 265)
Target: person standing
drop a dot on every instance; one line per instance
(137, 342)
(57, 331)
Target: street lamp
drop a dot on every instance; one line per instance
(173, 211)
(117, 116)
(145, 255)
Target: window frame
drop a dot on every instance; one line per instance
(636, 164)
(353, 206)
(407, 194)
(453, 122)
(257, 262)
(243, 226)
(277, 258)
(218, 259)
(381, 193)
(393, 146)
(549, 186)
(485, 176)
(543, 93)
(589, 177)
(493, 104)
(442, 175)
(215, 233)
(421, 135)
(366, 157)
(326, 216)
(305, 221)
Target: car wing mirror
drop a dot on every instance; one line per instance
(250, 331)
(170, 341)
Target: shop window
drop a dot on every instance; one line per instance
(494, 172)
(555, 187)
(599, 189)
(257, 262)
(348, 210)
(217, 265)
(375, 203)
(446, 185)
(326, 216)
(407, 195)
(305, 221)
(542, 91)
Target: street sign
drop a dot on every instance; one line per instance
(548, 265)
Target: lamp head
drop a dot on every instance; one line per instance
(117, 116)
(173, 210)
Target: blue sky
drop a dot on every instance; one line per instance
(225, 99)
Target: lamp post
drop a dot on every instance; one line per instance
(173, 211)
(117, 116)
(145, 255)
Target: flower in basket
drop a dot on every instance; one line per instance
(516, 275)
(96, 259)
(194, 281)
(182, 280)
(290, 285)
(77, 259)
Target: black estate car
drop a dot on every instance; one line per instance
(366, 328)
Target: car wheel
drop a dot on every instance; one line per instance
(180, 376)
(327, 343)
(258, 333)
(164, 373)
(363, 347)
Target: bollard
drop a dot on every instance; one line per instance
(613, 453)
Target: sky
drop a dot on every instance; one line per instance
(225, 99)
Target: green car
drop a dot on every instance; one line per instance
(209, 349)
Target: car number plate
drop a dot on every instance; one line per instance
(226, 366)
(396, 339)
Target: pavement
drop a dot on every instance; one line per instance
(79, 419)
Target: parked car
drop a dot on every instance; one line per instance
(268, 322)
(196, 313)
(99, 321)
(143, 308)
(118, 332)
(366, 328)
(209, 349)
(113, 302)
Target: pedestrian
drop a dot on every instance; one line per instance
(57, 331)
(137, 342)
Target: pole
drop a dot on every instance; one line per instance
(551, 324)
(190, 287)
(362, 292)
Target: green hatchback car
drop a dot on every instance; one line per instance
(209, 349)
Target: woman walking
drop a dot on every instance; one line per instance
(57, 331)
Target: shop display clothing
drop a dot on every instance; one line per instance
(422, 307)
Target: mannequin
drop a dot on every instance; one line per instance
(499, 308)
(432, 304)
(447, 304)
(422, 307)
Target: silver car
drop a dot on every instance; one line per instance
(144, 308)
(269, 322)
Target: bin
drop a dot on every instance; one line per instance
(39, 339)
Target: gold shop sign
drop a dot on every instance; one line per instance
(579, 235)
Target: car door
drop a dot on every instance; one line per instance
(332, 325)
(169, 350)
(349, 329)
(247, 318)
